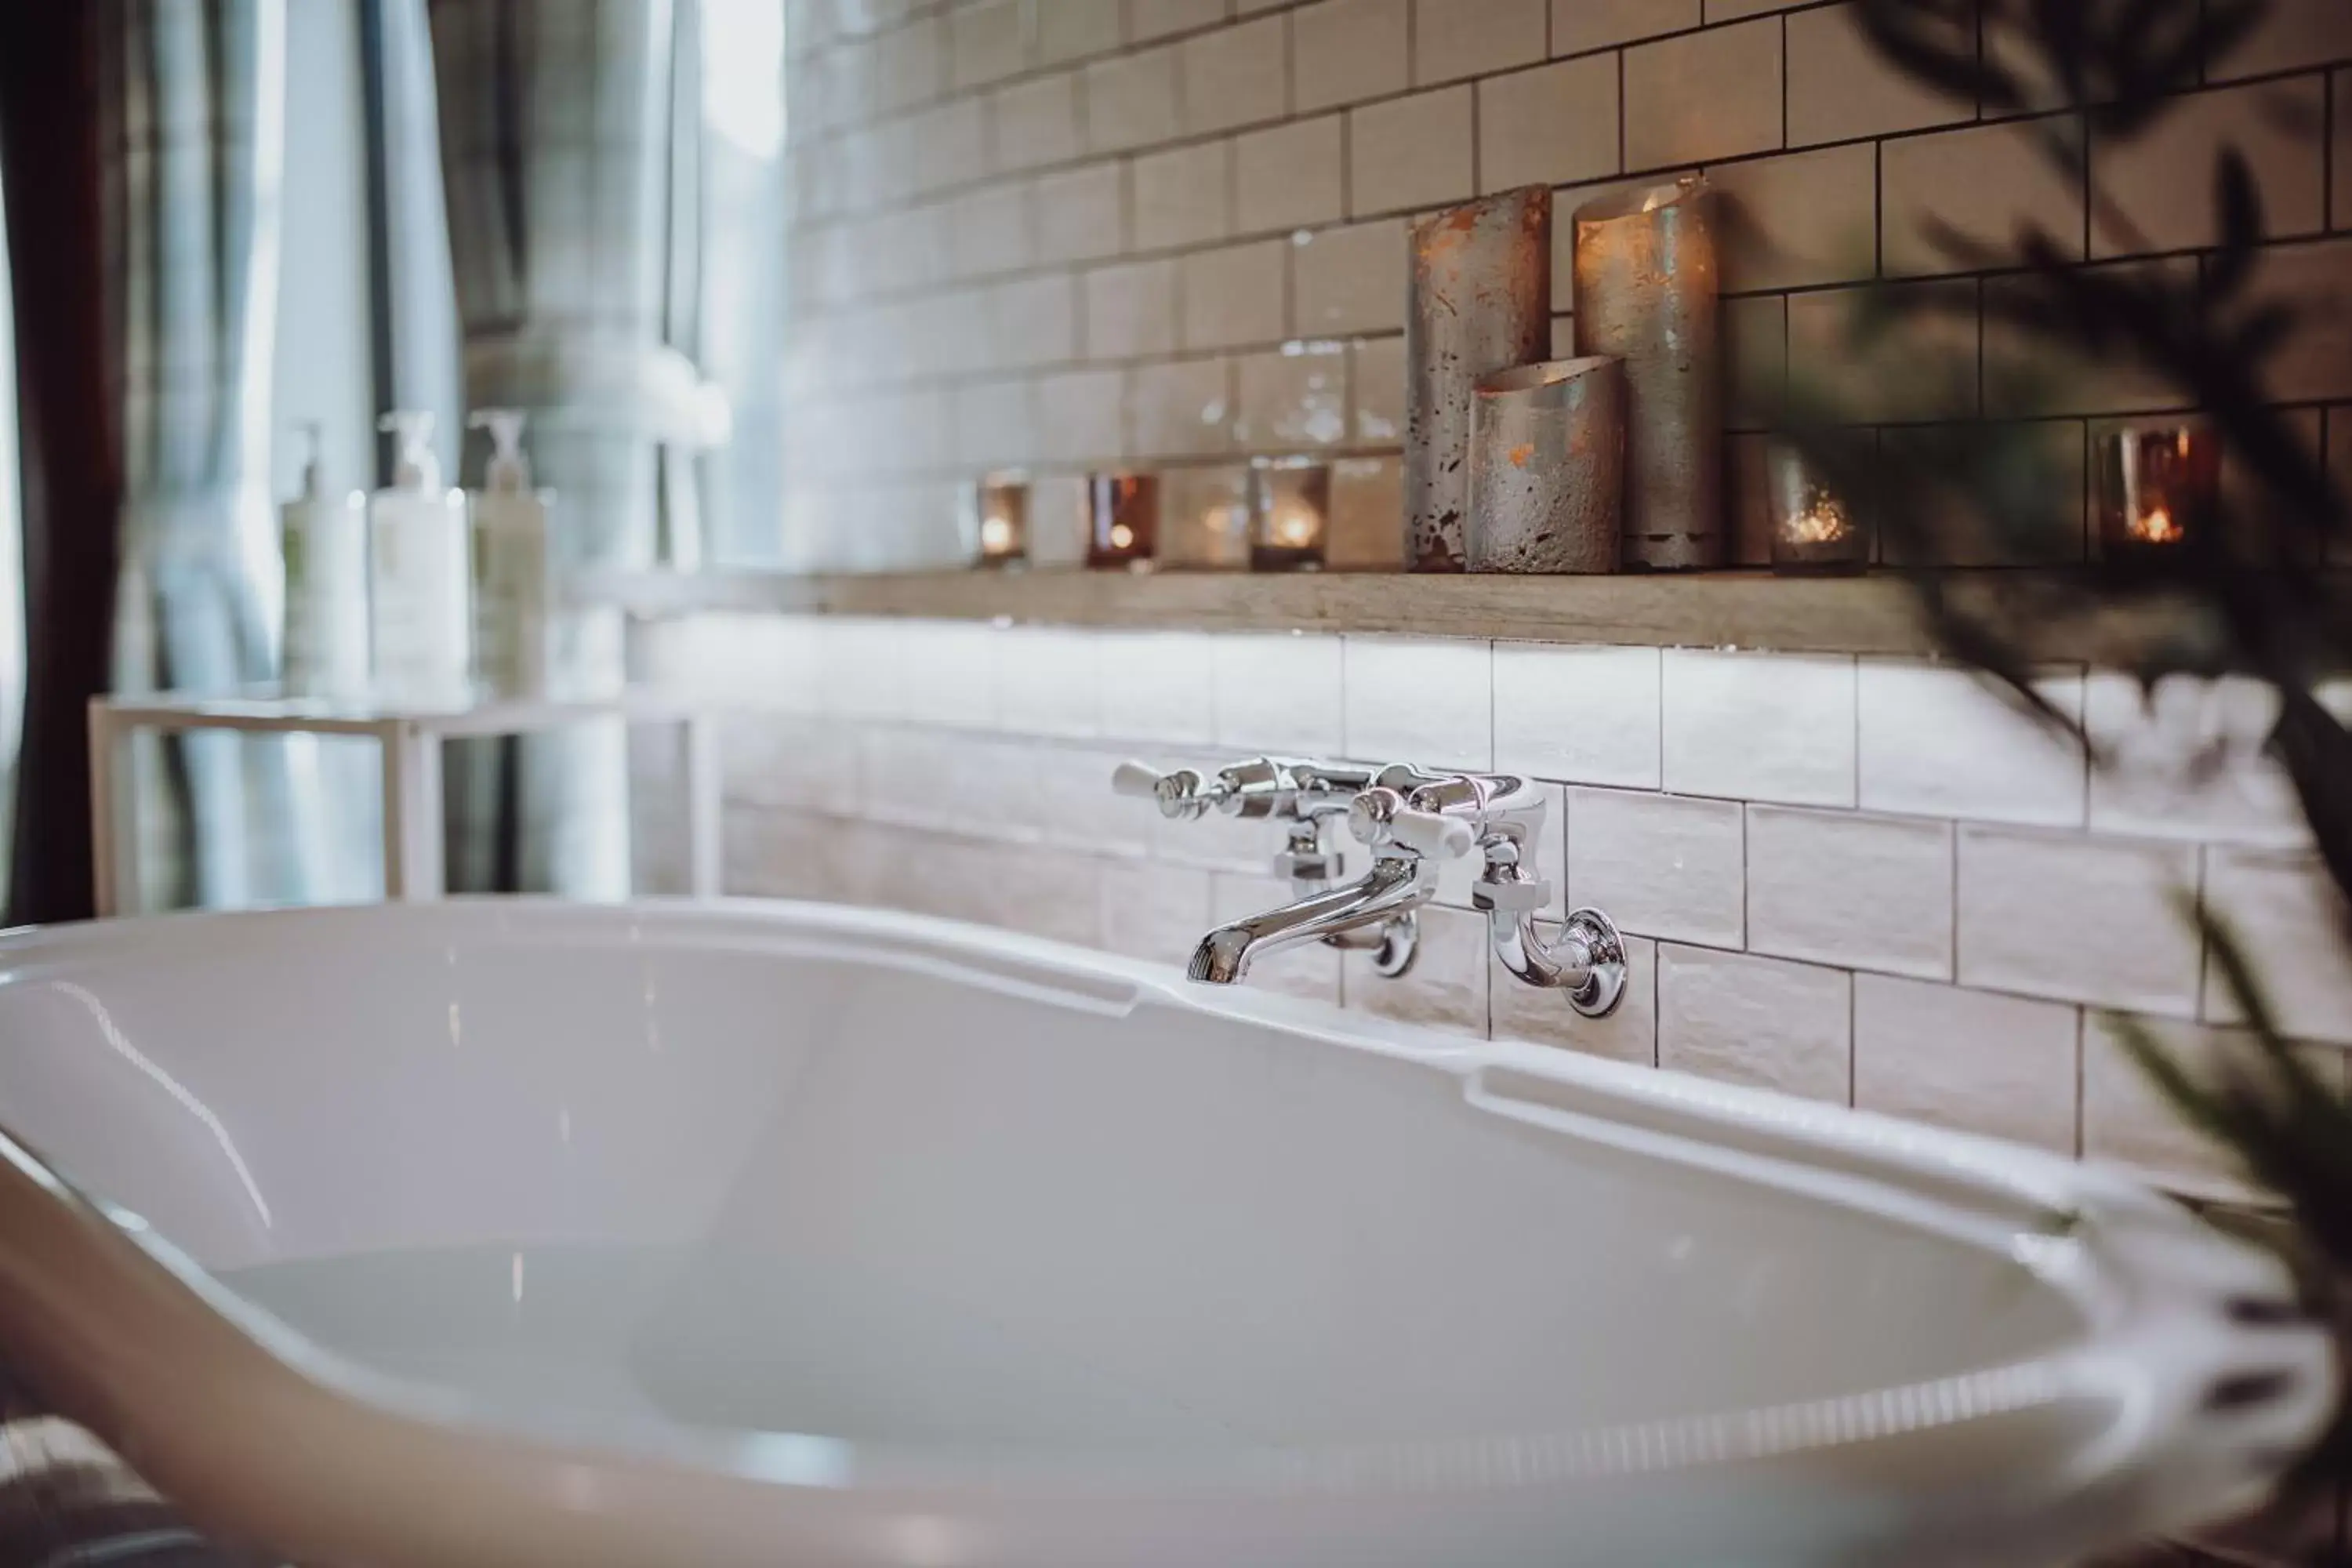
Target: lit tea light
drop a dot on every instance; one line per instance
(1290, 507)
(996, 511)
(1123, 521)
(2155, 528)
(2154, 479)
(1824, 522)
(1814, 529)
(1295, 530)
(1225, 536)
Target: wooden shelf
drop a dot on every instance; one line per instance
(1731, 609)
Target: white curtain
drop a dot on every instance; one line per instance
(12, 560)
(192, 104)
(613, 180)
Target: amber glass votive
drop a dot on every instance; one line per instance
(1815, 531)
(996, 518)
(1123, 523)
(1207, 526)
(1290, 515)
(2154, 479)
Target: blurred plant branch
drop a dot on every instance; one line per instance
(2241, 593)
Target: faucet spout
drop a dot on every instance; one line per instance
(1386, 896)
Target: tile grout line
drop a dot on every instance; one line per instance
(1852, 1043)
(2082, 1077)
(2329, 109)
(1784, 80)
(833, 133)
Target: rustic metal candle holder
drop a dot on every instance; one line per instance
(1547, 467)
(1481, 303)
(1645, 293)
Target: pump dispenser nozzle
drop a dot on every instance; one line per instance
(314, 486)
(417, 468)
(509, 471)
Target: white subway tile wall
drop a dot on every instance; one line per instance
(1838, 886)
(1662, 864)
(1975, 1060)
(1758, 1021)
(2285, 911)
(1937, 741)
(1425, 699)
(2126, 1120)
(1583, 715)
(2089, 920)
(1931, 952)
(988, 193)
(1754, 727)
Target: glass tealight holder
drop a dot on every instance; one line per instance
(1208, 520)
(1123, 521)
(1815, 531)
(1290, 515)
(996, 518)
(2155, 477)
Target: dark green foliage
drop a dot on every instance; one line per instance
(2244, 594)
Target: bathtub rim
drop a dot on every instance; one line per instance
(2153, 1284)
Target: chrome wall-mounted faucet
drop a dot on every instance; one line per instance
(1374, 914)
(1413, 820)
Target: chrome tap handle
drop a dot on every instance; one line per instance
(1284, 789)
(1140, 780)
(1383, 818)
(1432, 833)
(1258, 787)
(1182, 794)
(1339, 781)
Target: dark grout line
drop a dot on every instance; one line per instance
(1784, 82)
(937, 287)
(1973, 116)
(2329, 110)
(2082, 1045)
(939, 198)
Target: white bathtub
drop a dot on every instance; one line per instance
(778, 1234)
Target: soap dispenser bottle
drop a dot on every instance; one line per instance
(417, 558)
(324, 541)
(513, 616)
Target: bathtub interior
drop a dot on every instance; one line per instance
(621, 1167)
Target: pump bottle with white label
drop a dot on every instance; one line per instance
(324, 541)
(423, 618)
(513, 614)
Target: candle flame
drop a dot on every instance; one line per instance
(2156, 526)
(1121, 536)
(996, 536)
(1296, 529)
(1821, 525)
